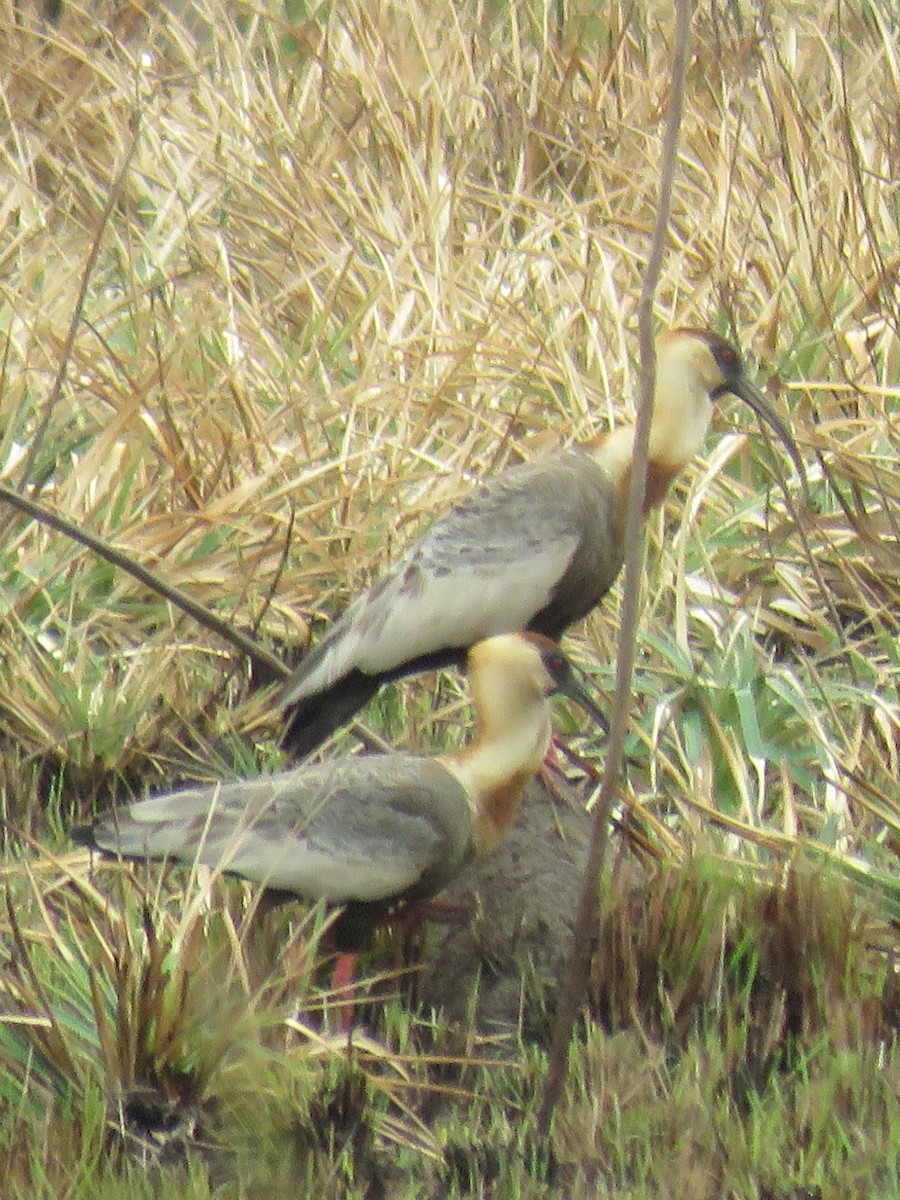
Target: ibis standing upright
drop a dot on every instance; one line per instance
(535, 547)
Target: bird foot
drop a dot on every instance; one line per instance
(448, 912)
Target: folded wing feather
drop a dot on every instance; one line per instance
(363, 828)
(485, 567)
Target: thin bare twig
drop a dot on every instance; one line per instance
(574, 985)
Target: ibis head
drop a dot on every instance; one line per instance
(373, 829)
(695, 368)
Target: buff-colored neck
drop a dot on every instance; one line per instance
(682, 411)
(512, 739)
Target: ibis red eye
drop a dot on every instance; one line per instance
(557, 665)
(728, 359)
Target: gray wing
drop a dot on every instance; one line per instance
(362, 828)
(487, 566)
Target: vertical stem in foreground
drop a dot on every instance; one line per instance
(574, 986)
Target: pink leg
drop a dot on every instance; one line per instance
(342, 987)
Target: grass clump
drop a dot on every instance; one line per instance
(744, 1036)
(645, 1126)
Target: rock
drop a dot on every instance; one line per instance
(501, 967)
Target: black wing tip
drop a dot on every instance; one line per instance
(304, 731)
(314, 719)
(311, 721)
(83, 835)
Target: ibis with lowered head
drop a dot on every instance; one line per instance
(535, 547)
(370, 832)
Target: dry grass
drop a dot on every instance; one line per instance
(351, 265)
(277, 284)
(150, 1031)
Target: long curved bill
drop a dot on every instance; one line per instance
(752, 396)
(572, 688)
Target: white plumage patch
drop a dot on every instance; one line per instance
(402, 620)
(489, 565)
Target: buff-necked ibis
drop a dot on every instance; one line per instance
(535, 547)
(369, 832)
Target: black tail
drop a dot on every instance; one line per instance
(83, 835)
(311, 721)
